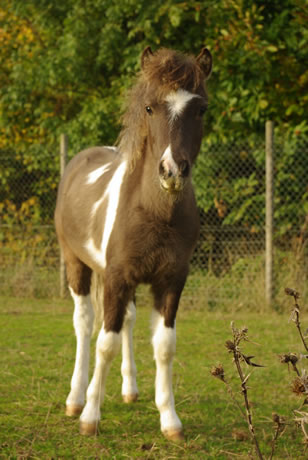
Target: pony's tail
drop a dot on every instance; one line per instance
(97, 298)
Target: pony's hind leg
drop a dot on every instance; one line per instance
(128, 367)
(79, 279)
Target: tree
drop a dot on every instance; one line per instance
(65, 67)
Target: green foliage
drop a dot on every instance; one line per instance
(71, 62)
(291, 195)
(65, 67)
(230, 184)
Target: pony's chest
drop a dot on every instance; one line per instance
(149, 248)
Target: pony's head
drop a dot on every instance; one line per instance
(165, 113)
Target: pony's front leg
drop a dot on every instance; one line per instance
(128, 367)
(164, 343)
(83, 325)
(116, 298)
(107, 346)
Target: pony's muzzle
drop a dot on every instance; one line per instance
(173, 179)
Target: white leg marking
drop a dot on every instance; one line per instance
(177, 101)
(83, 324)
(168, 161)
(164, 343)
(93, 176)
(107, 346)
(128, 367)
(112, 194)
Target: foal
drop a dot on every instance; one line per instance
(129, 214)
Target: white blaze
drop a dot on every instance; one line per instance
(177, 101)
(168, 161)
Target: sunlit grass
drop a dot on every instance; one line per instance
(36, 361)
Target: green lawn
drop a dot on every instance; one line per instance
(36, 361)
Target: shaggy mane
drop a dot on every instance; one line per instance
(164, 71)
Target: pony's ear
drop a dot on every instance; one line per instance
(147, 53)
(204, 60)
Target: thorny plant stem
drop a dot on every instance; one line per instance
(296, 370)
(274, 443)
(295, 317)
(298, 325)
(295, 295)
(303, 428)
(230, 391)
(276, 435)
(248, 413)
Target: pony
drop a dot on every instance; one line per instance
(128, 214)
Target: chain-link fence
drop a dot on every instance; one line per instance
(231, 252)
(29, 254)
(227, 269)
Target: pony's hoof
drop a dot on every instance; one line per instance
(174, 435)
(89, 429)
(130, 398)
(73, 410)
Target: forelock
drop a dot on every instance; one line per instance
(168, 70)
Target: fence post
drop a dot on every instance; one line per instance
(269, 192)
(63, 161)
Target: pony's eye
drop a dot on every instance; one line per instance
(149, 110)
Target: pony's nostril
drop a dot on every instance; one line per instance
(164, 171)
(161, 168)
(184, 168)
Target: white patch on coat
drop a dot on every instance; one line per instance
(111, 147)
(96, 206)
(177, 101)
(94, 252)
(93, 176)
(164, 344)
(168, 161)
(112, 195)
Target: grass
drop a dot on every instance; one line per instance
(36, 361)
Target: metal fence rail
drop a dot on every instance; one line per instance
(229, 266)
